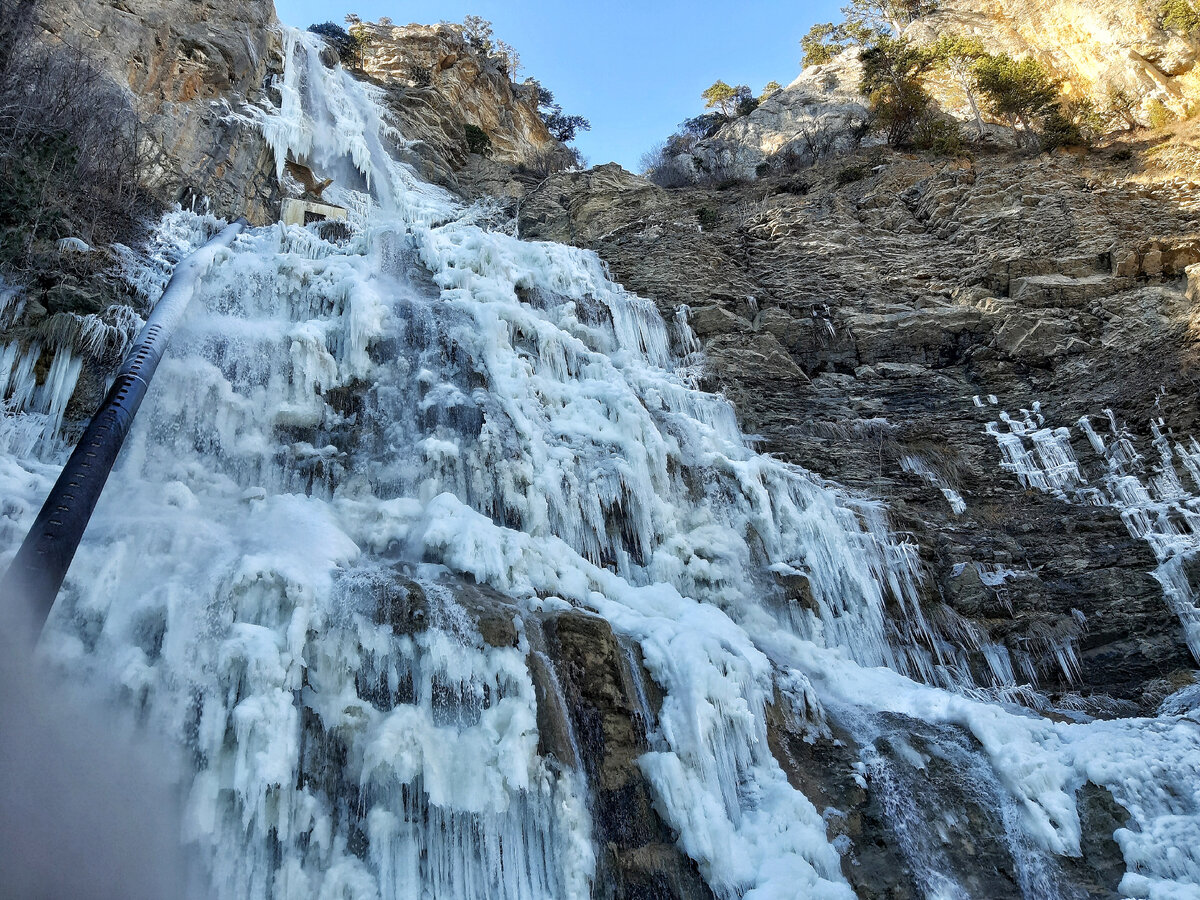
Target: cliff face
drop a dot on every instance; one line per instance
(437, 83)
(1096, 46)
(191, 66)
(878, 332)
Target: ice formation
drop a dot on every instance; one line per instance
(1153, 496)
(522, 420)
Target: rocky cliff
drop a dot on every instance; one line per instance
(1096, 49)
(1096, 46)
(877, 331)
(438, 83)
(191, 67)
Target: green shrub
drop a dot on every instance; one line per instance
(850, 174)
(939, 136)
(1059, 131)
(707, 216)
(892, 72)
(1180, 16)
(1019, 91)
(1159, 114)
(477, 140)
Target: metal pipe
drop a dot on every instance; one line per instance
(38, 570)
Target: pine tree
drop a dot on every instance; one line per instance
(722, 97)
(1020, 91)
(959, 55)
(892, 72)
(888, 16)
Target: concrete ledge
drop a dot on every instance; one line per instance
(305, 212)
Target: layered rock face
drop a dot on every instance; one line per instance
(877, 332)
(819, 114)
(438, 83)
(191, 67)
(1096, 46)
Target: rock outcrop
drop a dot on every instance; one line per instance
(821, 113)
(1096, 45)
(438, 83)
(190, 66)
(861, 328)
(1095, 48)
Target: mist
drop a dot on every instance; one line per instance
(87, 810)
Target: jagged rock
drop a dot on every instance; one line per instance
(437, 82)
(638, 856)
(821, 113)
(190, 65)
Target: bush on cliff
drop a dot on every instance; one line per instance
(1180, 16)
(71, 158)
(477, 140)
(892, 72)
(1022, 93)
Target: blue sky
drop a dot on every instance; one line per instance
(635, 69)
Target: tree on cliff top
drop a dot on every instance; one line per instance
(721, 96)
(561, 126)
(888, 15)
(864, 23)
(1020, 91)
(729, 101)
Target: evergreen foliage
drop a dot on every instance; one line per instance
(561, 126)
(1180, 16)
(887, 16)
(477, 140)
(892, 71)
(958, 54)
(1021, 92)
(720, 96)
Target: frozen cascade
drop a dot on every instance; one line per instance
(343, 432)
(1151, 496)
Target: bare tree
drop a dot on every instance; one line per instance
(72, 155)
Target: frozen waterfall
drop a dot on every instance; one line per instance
(348, 433)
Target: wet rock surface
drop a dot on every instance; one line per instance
(637, 856)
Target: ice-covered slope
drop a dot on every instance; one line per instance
(349, 433)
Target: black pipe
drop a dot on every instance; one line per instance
(38, 570)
